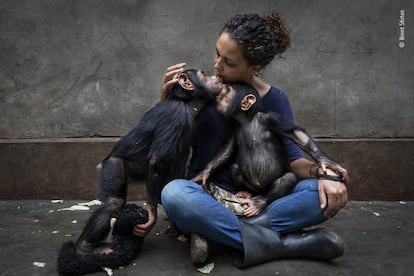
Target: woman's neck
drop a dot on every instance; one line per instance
(261, 86)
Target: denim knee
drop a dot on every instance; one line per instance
(306, 184)
(298, 210)
(172, 191)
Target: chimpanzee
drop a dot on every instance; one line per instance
(156, 151)
(260, 163)
(122, 249)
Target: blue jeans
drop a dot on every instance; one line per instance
(194, 210)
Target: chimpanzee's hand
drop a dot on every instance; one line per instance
(253, 206)
(326, 163)
(333, 195)
(201, 178)
(170, 78)
(142, 230)
(244, 194)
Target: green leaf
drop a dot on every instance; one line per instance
(206, 269)
(182, 238)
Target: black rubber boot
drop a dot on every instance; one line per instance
(261, 244)
(262, 219)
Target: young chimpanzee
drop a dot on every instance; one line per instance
(155, 151)
(122, 249)
(260, 164)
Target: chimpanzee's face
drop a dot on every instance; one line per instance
(225, 98)
(212, 83)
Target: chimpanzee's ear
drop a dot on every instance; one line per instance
(185, 82)
(247, 102)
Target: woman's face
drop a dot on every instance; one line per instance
(229, 63)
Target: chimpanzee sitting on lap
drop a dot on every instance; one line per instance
(260, 162)
(155, 151)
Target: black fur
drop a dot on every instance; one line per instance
(154, 151)
(260, 162)
(125, 245)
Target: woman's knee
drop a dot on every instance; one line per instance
(177, 190)
(306, 184)
(171, 190)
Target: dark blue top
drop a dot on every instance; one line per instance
(214, 131)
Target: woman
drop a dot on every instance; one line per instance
(246, 44)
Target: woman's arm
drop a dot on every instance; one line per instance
(333, 195)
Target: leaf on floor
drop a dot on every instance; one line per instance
(94, 202)
(182, 238)
(75, 208)
(108, 270)
(206, 269)
(56, 201)
(39, 264)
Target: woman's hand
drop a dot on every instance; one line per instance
(333, 195)
(170, 78)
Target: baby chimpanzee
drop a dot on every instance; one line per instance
(123, 248)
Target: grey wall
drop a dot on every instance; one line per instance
(91, 68)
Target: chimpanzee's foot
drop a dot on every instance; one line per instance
(172, 229)
(103, 250)
(84, 248)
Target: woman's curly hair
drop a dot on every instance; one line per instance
(260, 38)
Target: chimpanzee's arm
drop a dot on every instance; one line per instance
(279, 188)
(220, 159)
(280, 126)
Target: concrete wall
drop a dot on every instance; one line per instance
(74, 71)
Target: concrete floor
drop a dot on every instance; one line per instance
(378, 241)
